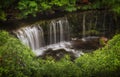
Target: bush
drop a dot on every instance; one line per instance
(103, 62)
(62, 68)
(16, 60)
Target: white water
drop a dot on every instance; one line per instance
(59, 31)
(33, 37)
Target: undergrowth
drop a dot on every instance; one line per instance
(17, 60)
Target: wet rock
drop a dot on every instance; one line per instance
(89, 43)
(57, 54)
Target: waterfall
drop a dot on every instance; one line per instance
(55, 34)
(84, 15)
(104, 18)
(33, 36)
(59, 31)
(96, 18)
(90, 26)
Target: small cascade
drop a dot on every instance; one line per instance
(84, 29)
(58, 36)
(90, 26)
(31, 36)
(104, 18)
(58, 31)
(55, 35)
(96, 18)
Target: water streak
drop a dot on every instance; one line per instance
(33, 36)
(84, 29)
(104, 18)
(59, 31)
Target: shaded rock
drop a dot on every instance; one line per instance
(89, 43)
(57, 54)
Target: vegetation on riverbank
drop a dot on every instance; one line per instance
(17, 60)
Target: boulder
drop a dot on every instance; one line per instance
(57, 54)
(88, 43)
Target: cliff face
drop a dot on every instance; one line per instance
(92, 23)
(86, 23)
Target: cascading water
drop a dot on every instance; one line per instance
(58, 36)
(84, 30)
(104, 23)
(59, 31)
(31, 36)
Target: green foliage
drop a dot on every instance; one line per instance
(32, 7)
(2, 15)
(45, 6)
(92, 32)
(5, 5)
(16, 60)
(27, 7)
(116, 8)
(113, 4)
(62, 68)
(70, 8)
(103, 62)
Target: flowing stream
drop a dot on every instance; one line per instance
(31, 36)
(57, 33)
(58, 36)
